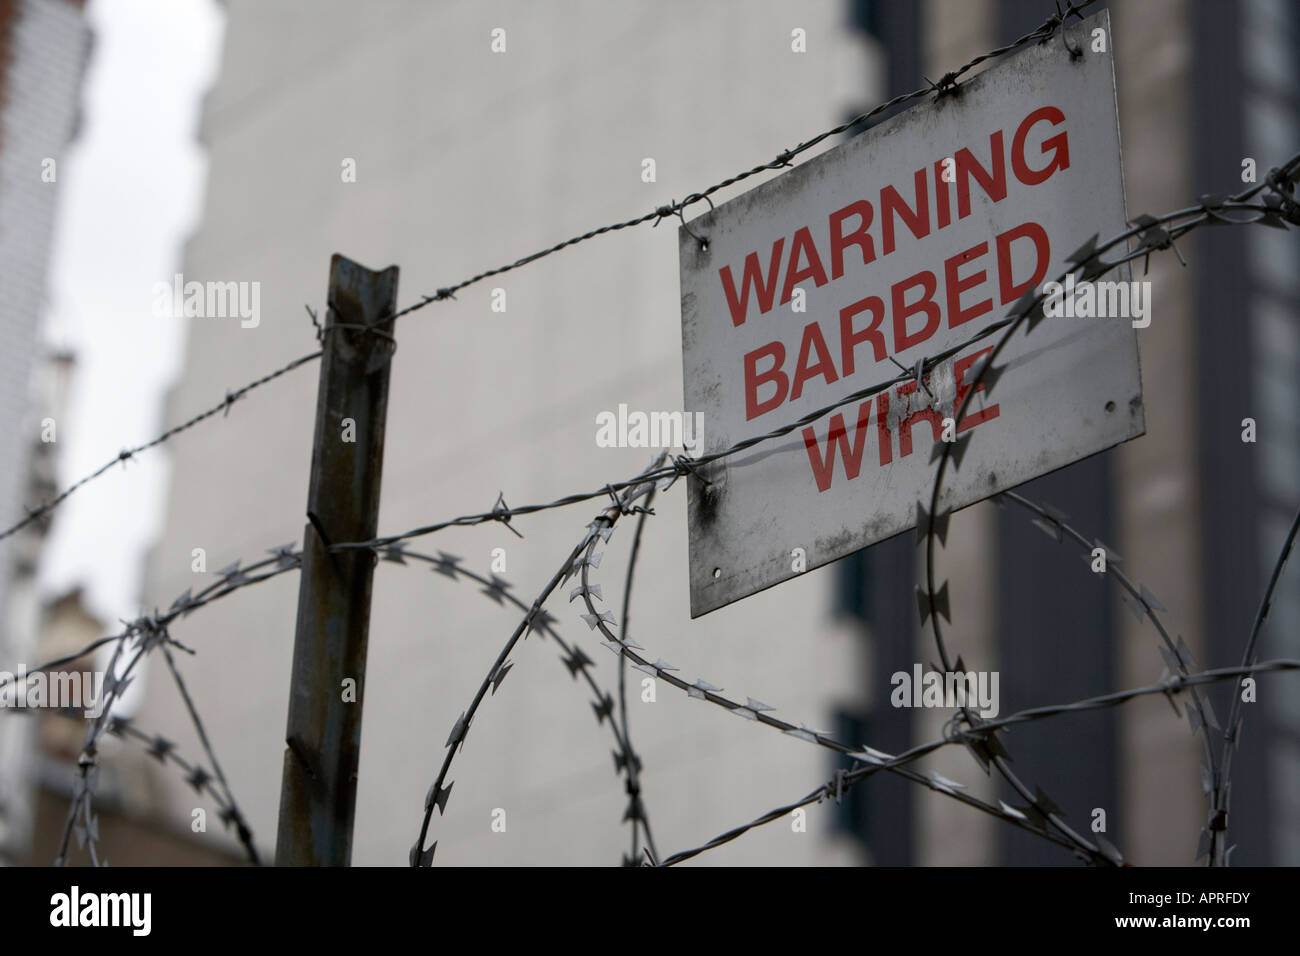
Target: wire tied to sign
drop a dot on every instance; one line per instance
(674, 208)
(946, 85)
(1059, 21)
(682, 466)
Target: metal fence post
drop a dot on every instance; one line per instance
(319, 786)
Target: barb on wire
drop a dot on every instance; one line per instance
(128, 454)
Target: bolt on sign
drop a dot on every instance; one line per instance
(894, 246)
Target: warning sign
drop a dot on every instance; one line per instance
(893, 247)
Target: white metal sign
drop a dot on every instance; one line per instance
(896, 245)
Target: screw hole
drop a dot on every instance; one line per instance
(717, 572)
(1110, 406)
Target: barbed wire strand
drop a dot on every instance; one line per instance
(242, 830)
(882, 762)
(634, 782)
(197, 776)
(1053, 522)
(755, 710)
(127, 454)
(497, 589)
(88, 764)
(1232, 730)
(161, 749)
(1176, 655)
(148, 632)
(600, 527)
(230, 580)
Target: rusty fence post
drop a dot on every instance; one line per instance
(318, 791)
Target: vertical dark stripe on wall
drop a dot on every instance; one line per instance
(1056, 630)
(1231, 577)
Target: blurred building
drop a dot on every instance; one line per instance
(466, 158)
(43, 50)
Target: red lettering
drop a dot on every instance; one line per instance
(803, 244)
(994, 184)
(858, 237)
(824, 466)
(891, 204)
(753, 275)
(956, 286)
(812, 341)
(1007, 288)
(753, 407)
(925, 279)
(849, 339)
(959, 370)
(1059, 145)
